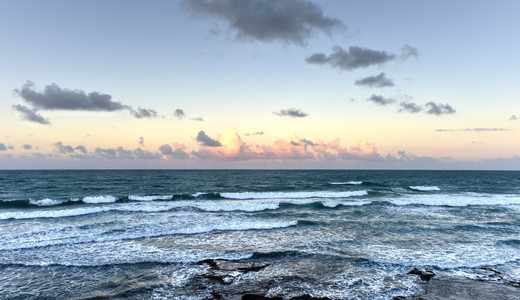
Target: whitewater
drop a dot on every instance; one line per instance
(337, 234)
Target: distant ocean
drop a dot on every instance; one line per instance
(338, 234)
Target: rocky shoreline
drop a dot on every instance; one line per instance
(492, 286)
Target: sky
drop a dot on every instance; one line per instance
(259, 84)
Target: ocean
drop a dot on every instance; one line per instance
(340, 234)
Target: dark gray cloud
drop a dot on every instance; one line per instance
(380, 100)
(353, 58)
(255, 133)
(141, 141)
(378, 81)
(10, 147)
(64, 149)
(199, 119)
(408, 51)
(55, 98)
(143, 113)
(30, 114)
(178, 153)
(27, 147)
(3, 147)
(438, 109)
(205, 140)
(513, 118)
(179, 113)
(81, 149)
(410, 107)
(291, 112)
(288, 21)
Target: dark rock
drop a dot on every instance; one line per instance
(424, 275)
(463, 288)
(259, 297)
(309, 297)
(216, 296)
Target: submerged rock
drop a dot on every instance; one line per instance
(225, 271)
(424, 275)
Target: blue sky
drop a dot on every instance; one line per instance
(241, 73)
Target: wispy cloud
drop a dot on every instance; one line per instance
(288, 21)
(378, 81)
(291, 112)
(30, 114)
(255, 133)
(199, 119)
(140, 113)
(27, 147)
(478, 129)
(513, 118)
(141, 141)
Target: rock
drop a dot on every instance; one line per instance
(447, 288)
(424, 275)
(225, 271)
(309, 297)
(259, 297)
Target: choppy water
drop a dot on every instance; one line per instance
(341, 234)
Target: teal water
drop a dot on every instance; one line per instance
(340, 234)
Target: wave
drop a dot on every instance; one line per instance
(424, 188)
(347, 183)
(150, 198)
(47, 202)
(469, 199)
(99, 199)
(293, 195)
(185, 230)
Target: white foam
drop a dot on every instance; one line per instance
(46, 202)
(51, 213)
(293, 195)
(425, 188)
(100, 199)
(458, 200)
(348, 183)
(333, 204)
(150, 198)
(197, 194)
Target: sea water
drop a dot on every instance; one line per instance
(340, 234)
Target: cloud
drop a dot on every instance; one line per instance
(479, 129)
(288, 21)
(353, 58)
(177, 151)
(144, 154)
(206, 141)
(30, 114)
(113, 153)
(199, 119)
(27, 147)
(378, 81)
(513, 118)
(141, 141)
(486, 129)
(179, 113)
(255, 133)
(410, 107)
(380, 100)
(81, 148)
(438, 109)
(64, 149)
(55, 98)
(291, 112)
(143, 113)
(3, 147)
(408, 51)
